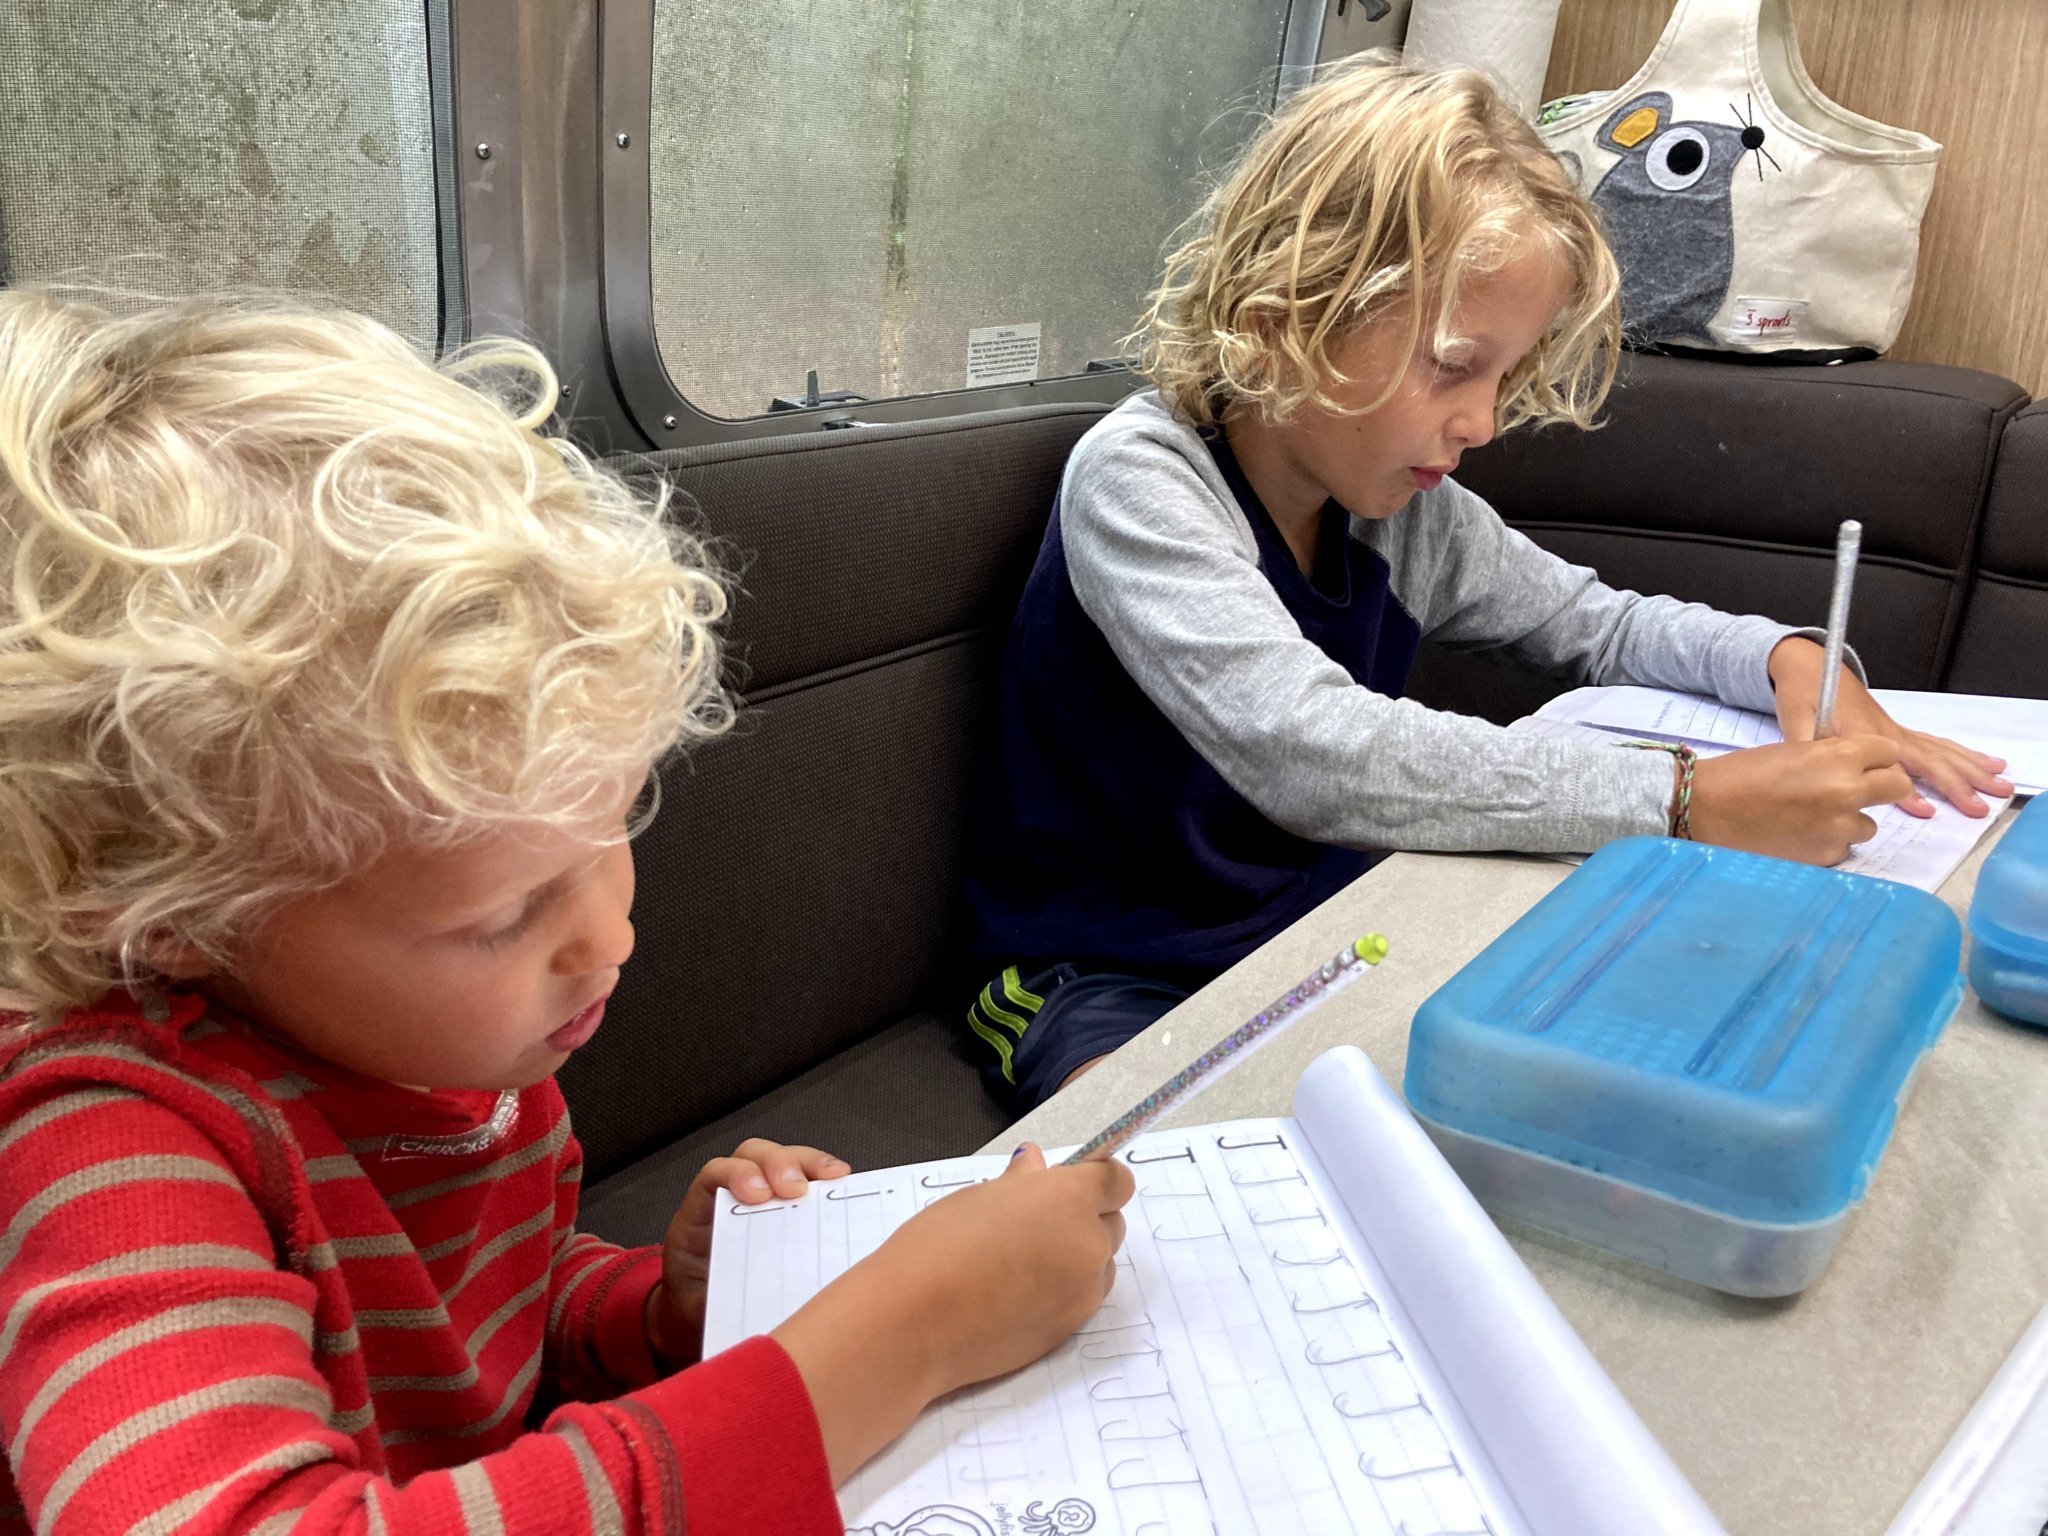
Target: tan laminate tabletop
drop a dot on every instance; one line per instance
(1814, 1415)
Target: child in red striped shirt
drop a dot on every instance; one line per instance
(328, 693)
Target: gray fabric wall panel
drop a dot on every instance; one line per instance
(1894, 624)
(906, 1095)
(797, 891)
(857, 543)
(1772, 455)
(2016, 521)
(796, 895)
(1724, 483)
(2003, 645)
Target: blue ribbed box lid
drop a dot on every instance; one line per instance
(2009, 920)
(2010, 909)
(1726, 1029)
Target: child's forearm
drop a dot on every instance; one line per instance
(867, 1351)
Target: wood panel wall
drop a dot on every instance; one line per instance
(1973, 74)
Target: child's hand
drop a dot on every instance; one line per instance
(1960, 774)
(759, 1171)
(982, 1282)
(1800, 800)
(1007, 1269)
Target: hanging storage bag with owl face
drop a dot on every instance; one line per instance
(1749, 212)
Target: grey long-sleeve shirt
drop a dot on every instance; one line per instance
(1163, 559)
(1166, 614)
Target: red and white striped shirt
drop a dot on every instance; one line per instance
(242, 1291)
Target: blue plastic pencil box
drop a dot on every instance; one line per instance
(2009, 920)
(1689, 1056)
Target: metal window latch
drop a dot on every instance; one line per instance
(812, 398)
(1375, 10)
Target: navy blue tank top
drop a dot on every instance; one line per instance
(1100, 836)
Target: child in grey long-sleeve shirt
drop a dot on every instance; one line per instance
(1201, 734)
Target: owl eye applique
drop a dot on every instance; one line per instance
(1677, 158)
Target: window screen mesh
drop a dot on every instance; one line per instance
(281, 143)
(855, 188)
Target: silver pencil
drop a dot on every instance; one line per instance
(1848, 544)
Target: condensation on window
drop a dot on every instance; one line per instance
(182, 146)
(853, 189)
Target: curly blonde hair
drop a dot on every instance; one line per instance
(281, 593)
(1377, 191)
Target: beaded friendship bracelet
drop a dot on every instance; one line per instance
(1679, 823)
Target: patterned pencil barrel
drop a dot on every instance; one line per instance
(1349, 963)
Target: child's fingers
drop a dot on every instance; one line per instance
(1114, 1223)
(788, 1171)
(691, 1225)
(1985, 772)
(1114, 1183)
(742, 1175)
(1983, 760)
(1981, 769)
(817, 1164)
(1955, 772)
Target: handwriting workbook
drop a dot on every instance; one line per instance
(1314, 1329)
(1916, 851)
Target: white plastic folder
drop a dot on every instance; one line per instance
(1314, 1329)
(1912, 850)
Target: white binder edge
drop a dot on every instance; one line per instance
(1976, 1485)
(1508, 1355)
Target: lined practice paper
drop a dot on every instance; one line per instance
(1254, 1368)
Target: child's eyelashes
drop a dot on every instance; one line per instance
(498, 938)
(536, 903)
(1451, 374)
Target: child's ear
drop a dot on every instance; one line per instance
(1634, 121)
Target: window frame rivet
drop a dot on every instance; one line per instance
(624, 141)
(483, 151)
(669, 421)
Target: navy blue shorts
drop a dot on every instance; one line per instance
(1038, 1028)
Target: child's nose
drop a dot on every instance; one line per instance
(1473, 428)
(602, 940)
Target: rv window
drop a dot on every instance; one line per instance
(924, 195)
(226, 143)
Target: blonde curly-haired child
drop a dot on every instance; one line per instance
(329, 691)
(1201, 733)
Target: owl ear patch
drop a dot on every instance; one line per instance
(1634, 121)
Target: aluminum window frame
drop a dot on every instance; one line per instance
(650, 396)
(454, 290)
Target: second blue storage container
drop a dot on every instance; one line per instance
(2009, 920)
(1689, 1055)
